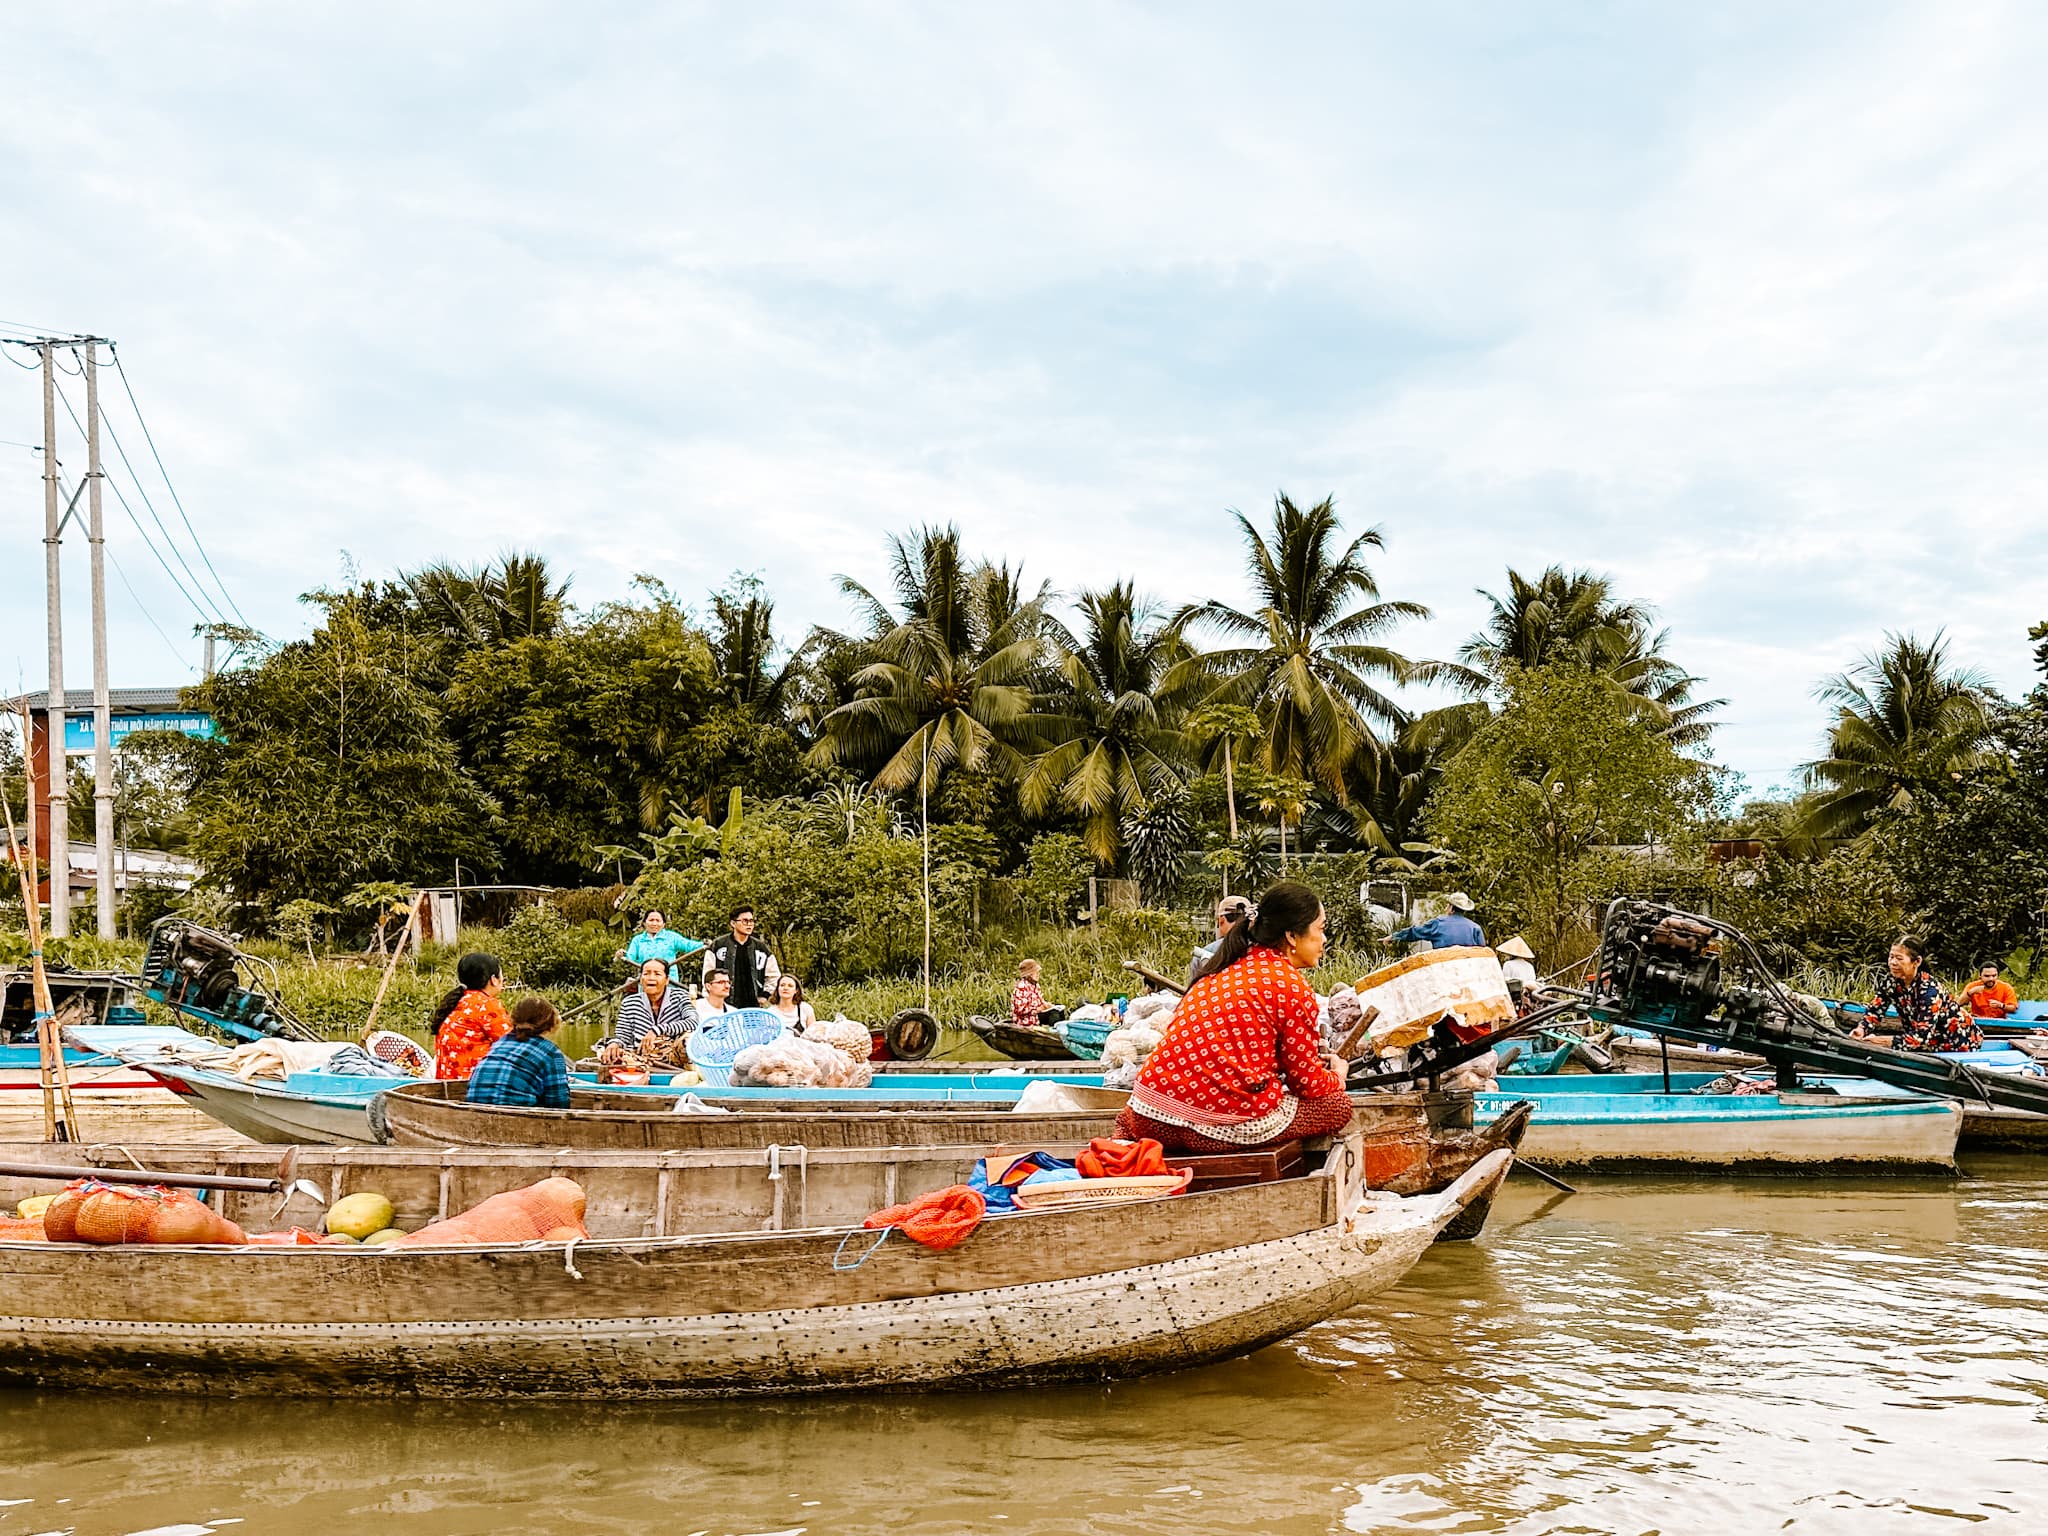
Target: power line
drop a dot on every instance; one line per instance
(134, 405)
(140, 606)
(216, 616)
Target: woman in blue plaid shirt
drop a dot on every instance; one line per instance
(525, 1069)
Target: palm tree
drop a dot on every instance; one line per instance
(1573, 618)
(1111, 719)
(742, 636)
(1904, 723)
(946, 681)
(1311, 647)
(514, 598)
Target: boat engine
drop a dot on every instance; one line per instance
(205, 974)
(1687, 976)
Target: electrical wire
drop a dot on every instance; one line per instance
(214, 617)
(115, 353)
(140, 606)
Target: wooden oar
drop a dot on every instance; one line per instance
(1163, 983)
(1545, 1175)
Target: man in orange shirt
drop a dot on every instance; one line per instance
(1988, 997)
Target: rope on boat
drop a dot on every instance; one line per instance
(569, 1259)
(880, 1238)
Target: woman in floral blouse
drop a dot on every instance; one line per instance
(1242, 1065)
(1929, 1019)
(470, 1019)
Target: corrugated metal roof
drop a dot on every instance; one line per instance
(79, 700)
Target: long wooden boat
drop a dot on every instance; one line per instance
(1021, 1043)
(1412, 1143)
(666, 1301)
(1628, 1122)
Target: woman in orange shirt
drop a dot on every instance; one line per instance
(1242, 1065)
(470, 1019)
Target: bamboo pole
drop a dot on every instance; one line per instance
(405, 937)
(59, 1115)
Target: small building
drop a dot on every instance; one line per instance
(130, 710)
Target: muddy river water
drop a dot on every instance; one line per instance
(1641, 1357)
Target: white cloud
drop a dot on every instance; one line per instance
(1744, 310)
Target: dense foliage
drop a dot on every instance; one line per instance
(648, 751)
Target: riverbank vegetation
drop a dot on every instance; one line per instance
(474, 727)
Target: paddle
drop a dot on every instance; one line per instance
(1545, 1175)
(1163, 983)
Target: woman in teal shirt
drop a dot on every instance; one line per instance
(657, 941)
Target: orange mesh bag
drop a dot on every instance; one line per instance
(22, 1229)
(941, 1219)
(106, 1214)
(297, 1237)
(548, 1212)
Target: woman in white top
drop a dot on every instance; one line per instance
(789, 1004)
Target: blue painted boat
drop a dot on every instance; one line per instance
(1627, 1122)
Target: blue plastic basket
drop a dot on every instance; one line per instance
(714, 1043)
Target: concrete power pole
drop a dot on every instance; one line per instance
(53, 532)
(102, 713)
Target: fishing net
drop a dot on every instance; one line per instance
(941, 1219)
(548, 1212)
(107, 1214)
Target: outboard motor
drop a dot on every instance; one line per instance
(201, 973)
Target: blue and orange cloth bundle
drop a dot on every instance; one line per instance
(945, 1217)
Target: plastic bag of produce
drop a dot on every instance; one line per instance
(548, 1212)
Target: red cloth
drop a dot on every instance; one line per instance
(1026, 1004)
(940, 1219)
(467, 1035)
(1240, 1041)
(1107, 1158)
(1993, 1001)
(1313, 1117)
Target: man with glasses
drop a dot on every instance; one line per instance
(746, 960)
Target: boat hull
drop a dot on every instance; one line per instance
(1087, 1294)
(275, 1116)
(1746, 1134)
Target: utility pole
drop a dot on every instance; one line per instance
(208, 675)
(53, 718)
(102, 713)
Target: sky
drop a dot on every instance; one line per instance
(1743, 306)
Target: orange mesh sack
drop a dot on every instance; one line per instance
(22, 1229)
(548, 1212)
(940, 1219)
(106, 1214)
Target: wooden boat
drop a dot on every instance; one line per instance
(1412, 1143)
(1645, 1053)
(669, 1299)
(1628, 1122)
(1019, 1042)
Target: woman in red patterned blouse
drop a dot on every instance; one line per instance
(470, 1019)
(1242, 1064)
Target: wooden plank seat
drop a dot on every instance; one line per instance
(1227, 1170)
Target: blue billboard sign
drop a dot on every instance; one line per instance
(78, 731)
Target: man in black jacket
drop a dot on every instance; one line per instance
(746, 959)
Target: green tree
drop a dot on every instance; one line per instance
(1309, 650)
(1905, 722)
(332, 768)
(1969, 858)
(1554, 801)
(947, 678)
(515, 597)
(1112, 720)
(1574, 618)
